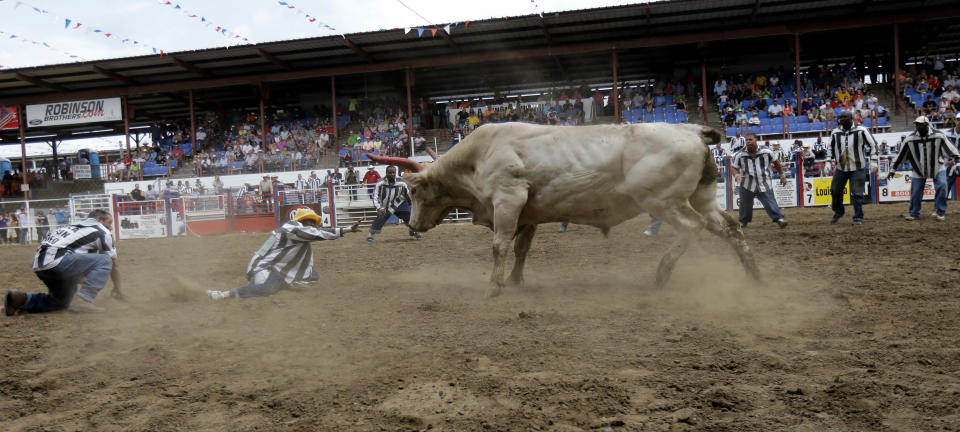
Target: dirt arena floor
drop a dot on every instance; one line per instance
(853, 329)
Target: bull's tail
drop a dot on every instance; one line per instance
(709, 136)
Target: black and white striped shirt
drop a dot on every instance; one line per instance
(954, 137)
(755, 169)
(287, 251)
(314, 182)
(390, 195)
(849, 148)
(301, 184)
(719, 155)
(738, 144)
(925, 153)
(87, 236)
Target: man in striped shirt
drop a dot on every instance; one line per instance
(953, 135)
(391, 197)
(926, 150)
(286, 257)
(849, 146)
(751, 167)
(81, 253)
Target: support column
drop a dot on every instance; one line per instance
(703, 91)
(263, 123)
(615, 63)
(796, 51)
(22, 116)
(333, 108)
(126, 123)
(896, 68)
(409, 76)
(54, 143)
(193, 125)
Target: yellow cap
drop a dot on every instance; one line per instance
(305, 214)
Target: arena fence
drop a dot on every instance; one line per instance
(230, 210)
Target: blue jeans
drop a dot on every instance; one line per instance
(262, 286)
(952, 186)
(92, 269)
(916, 193)
(857, 181)
(402, 213)
(768, 201)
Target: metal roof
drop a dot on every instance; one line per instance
(503, 54)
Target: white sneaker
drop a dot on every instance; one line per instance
(219, 295)
(649, 232)
(939, 217)
(83, 306)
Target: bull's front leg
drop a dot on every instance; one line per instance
(520, 248)
(505, 215)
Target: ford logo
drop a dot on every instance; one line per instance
(36, 122)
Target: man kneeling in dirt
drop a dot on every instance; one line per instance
(286, 258)
(82, 252)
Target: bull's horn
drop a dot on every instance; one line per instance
(432, 153)
(401, 162)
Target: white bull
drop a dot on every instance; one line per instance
(513, 176)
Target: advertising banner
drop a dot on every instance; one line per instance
(816, 191)
(81, 171)
(786, 195)
(142, 226)
(74, 112)
(898, 188)
(9, 117)
(722, 195)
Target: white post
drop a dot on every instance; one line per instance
(411, 145)
(30, 223)
(435, 148)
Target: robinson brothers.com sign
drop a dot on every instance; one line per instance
(74, 112)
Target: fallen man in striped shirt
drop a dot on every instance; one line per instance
(82, 253)
(926, 150)
(285, 258)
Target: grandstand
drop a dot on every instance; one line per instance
(391, 90)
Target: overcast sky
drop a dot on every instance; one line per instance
(154, 24)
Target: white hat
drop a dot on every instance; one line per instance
(922, 119)
(806, 145)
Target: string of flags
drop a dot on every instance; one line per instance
(310, 18)
(537, 8)
(14, 37)
(72, 24)
(204, 21)
(433, 31)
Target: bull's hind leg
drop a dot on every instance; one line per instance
(687, 222)
(520, 248)
(724, 226)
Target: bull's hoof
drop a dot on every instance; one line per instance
(515, 282)
(494, 291)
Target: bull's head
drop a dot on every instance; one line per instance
(430, 201)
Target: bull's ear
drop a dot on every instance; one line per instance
(412, 179)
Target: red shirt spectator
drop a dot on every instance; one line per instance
(372, 176)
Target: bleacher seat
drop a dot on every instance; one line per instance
(731, 131)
